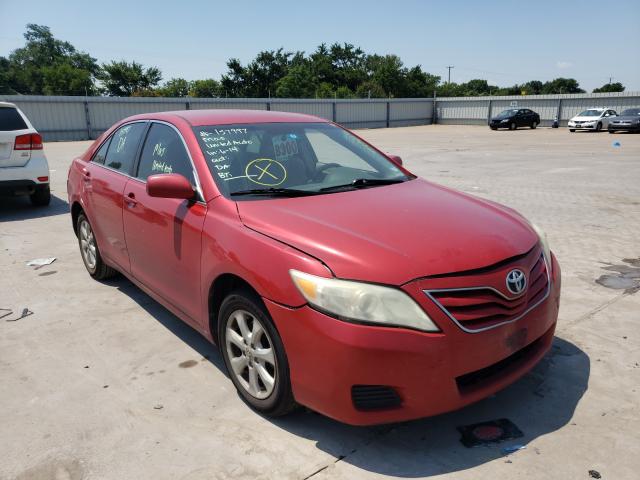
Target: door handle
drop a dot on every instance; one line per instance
(86, 174)
(131, 199)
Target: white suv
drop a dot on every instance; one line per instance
(592, 119)
(23, 167)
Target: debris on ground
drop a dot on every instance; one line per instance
(493, 431)
(513, 448)
(158, 407)
(40, 262)
(594, 474)
(25, 313)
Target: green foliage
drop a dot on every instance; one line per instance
(562, 85)
(208, 88)
(123, 79)
(610, 87)
(298, 83)
(176, 87)
(47, 66)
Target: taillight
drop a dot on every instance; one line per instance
(30, 141)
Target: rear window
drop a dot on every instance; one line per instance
(10, 119)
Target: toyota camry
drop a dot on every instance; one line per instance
(327, 273)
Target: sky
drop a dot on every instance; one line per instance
(505, 42)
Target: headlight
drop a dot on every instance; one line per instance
(544, 242)
(504, 121)
(362, 301)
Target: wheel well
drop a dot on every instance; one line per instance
(221, 287)
(76, 209)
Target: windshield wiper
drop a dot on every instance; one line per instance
(363, 183)
(274, 192)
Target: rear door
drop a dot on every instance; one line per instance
(105, 177)
(164, 235)
(12, 125)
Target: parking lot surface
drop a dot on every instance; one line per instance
(101, 382)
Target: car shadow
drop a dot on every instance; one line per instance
(20, 208)
(540, 403)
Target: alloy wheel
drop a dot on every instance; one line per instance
(87, 245)
(251, 354)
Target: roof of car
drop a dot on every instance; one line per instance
(228, 117)
(7, 104)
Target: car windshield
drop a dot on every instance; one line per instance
(291, 158)
(507, 113)
(590, 113)
(631, 111)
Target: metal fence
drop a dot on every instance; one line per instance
(81, 118)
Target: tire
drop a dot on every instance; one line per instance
(249, 372)
(534, 125)
(512, 126)
(610, 131)
(572, 130)
(493, 128)
(599, 126)
(41, 197)
(92, 261)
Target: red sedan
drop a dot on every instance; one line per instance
(328, 275)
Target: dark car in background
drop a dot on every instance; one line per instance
(629, 121)
(514, 118)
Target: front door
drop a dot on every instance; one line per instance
(164, 234)
(104, 179)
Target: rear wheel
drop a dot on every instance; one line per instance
(90, 252)
(254, 354)
(534, 124)
(41, 197)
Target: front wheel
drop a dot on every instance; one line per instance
(598, 127)
(512, 126)
(572, 130)
(254, 354)
(90, 252)
(610, 131)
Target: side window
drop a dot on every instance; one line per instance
(101, 154)
(164, 152)
(123, 147)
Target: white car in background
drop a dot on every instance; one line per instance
(592, 119)
(23, 167)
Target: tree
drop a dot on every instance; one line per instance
(46, 65)
(610, 87)
(532, 87)
(208, 88)
(562, 85)
(370, 89)
(298, 83)
(123, 79)
(176, 87)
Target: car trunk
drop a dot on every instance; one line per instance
(12, 125)
(8, 156)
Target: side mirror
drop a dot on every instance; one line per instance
(395, 159)
(169, 185)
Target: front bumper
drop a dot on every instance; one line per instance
(432, 373)
(582, 126)
(626, 128)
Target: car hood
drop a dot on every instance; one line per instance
(395, 233)
(585, 119)
(626, 118)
